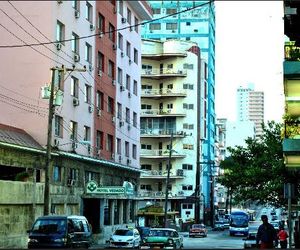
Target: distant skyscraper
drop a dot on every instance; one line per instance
(250, 107)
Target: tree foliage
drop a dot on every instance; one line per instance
(257, 172)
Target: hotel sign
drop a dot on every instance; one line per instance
(126, 189)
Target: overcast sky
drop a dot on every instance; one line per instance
(249, 49)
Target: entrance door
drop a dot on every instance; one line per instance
(161, 68)
(91, 210)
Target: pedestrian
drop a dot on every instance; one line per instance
(266, 234)
(282, 236)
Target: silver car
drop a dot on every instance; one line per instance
(125, 238)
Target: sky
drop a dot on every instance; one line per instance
(249, 49)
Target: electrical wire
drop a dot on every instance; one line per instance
(107, 32)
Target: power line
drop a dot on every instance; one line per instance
(106, 32)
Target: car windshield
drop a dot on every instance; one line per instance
(161, 233)
(123, 232)
(198, 226)
(49, 226)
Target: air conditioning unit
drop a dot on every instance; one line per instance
(77, 13)
(129, 95)
(100, 34)
(122, 54)
(76, 58)
(91, 108)
(113, 119)
(131, 28)
(128, 161)
(120, 158)
(130, 61)
(99, 72)
(115, 46)
(74, 145)
(98, 112)
(113, 82)
(121, 123)
(112, 156)
(71, 182)
(75, 101)
(56, 142)
(58, 46)
(90, 67)
(92, 27)
(128, 127)
(59, 1)
(122, 88)
(98, 152)
(123, 20)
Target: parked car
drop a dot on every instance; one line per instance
(250, 241)
(144, 231)
(163, 238)
(219, 226)
(125, 238)
(198, 230)
(60, 232)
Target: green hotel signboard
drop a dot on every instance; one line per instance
(126, 189)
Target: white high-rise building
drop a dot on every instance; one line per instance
(250, 107)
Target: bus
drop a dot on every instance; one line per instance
(238, 223)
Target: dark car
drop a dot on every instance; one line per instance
(60, 232)
(144, 231)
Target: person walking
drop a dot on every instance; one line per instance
(282, 236)
(266, 234)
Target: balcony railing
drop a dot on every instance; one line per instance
(164, 71)
(162, 133)
(292, 52)
(163, 92)
(159, 153)
(162, 112)
(160, 194)
(157, 174)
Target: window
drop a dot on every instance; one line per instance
(87, 93)
(171, 11)
(119, 114)
(74, 86)
(188, 126)
(145, 146)
(146, 167)
(58, 126)
(88, 52)
(56, 174)
(127, 115)
(128, 49)
(99, 139)
(89, 12)
(187, 187)
(135, 56)
(188, 146)
(73, 129)
(146, 187)
(134, 119)
(87, 133)
(129, 16)
(110, 105)
(75, 43)
(91, 176)
(120, 41)
(101, 23)
(109, 143)
(99, 100)
(73, 174)
(111, 67)
(188, 66)
(126, 148)
(188, 106)
(188, 39)
(135, 87)
(120, 76)
(155, 26)
(119, 146)
(133, 151)
(111, 32)
(187, 166)
(60, 32)
(121, 7)
(188, 23)
(75, 4)
(188, 86)
(171, 26)
(136, 25)
(170, 106)
(100, 61)
(156, 10)
(187, 206)
(128, 82)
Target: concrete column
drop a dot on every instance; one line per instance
(120, 210)
(112, 212)
(101, 212)
(127, 205)
(135, 209)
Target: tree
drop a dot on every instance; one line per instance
(257, 172)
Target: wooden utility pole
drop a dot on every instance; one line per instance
(54, 71)
(167, 180)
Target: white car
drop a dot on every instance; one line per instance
(125, 238)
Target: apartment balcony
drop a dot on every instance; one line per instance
(163, 56)
(161, 195)
(159, 154)
(161, 133)
(163, 73)
(157, 174)
(159, 93)
(162, 113)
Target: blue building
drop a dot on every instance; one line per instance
(193, 21)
